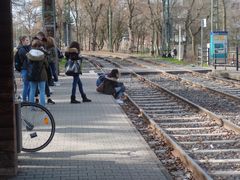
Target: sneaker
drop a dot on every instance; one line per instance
(50, 101)
(74, 101)
(119, 101)
(20, 98)
(37, 101)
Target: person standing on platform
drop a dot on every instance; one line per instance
(23, 48)
(42, 37)
(72, 53)
(37, 74)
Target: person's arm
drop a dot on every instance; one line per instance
(22, 54)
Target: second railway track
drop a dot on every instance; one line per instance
(210, 150)
(195, 132)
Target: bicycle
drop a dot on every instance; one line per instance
(38, 127)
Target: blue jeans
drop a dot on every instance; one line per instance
(53, 71)
(26, 88)
(41, 88)
(119, 91)
(77, 81)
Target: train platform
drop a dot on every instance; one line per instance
(93, 141)
(230, 73)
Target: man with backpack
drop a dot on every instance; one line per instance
(21, 64)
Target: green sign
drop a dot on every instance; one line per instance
(219, 47)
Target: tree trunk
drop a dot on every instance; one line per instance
(152, 42)
(131, 40)
(193, 47)
(94, 36)
(224, 15)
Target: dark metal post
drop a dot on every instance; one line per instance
(215, 61)
(208, 54)
(110, 45)
(8, 148)
(237, 58)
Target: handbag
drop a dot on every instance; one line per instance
(100, 88)
(72, 68)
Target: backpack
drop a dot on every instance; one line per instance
(18, 62)
(35, 70)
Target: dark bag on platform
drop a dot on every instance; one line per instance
(100, 87)
(72, 68)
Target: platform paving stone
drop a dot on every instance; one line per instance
(93, 140)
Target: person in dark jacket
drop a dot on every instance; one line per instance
(72, 53)
(42, 37)
(23, 48)
(37, 74)
(112, 86)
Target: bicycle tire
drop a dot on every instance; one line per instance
(38, 127)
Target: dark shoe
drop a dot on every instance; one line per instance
(86, 100)
(37, 101)
(50, 101)
(74, 101)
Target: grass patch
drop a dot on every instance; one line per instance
(62, 63)
(161, 59)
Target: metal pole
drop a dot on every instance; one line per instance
(211, 15)
(237, 65)
(202, 42)
(67, 34)
(208, 55)
(179, 43)
(110, 27)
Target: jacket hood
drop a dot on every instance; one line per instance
(71, 50)
(35, 55)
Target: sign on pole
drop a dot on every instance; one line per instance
(219, 47)
(49, 22)
(204, 23)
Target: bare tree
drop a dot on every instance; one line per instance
(156, 25)
(224, 17)
(28, 16)
(131, 7)
(93, 8)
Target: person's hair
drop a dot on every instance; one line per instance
(41, 35)
(36, 43)
(76, 45)
(114, 73)
(22, 38)
(50, 42)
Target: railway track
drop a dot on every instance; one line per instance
(198, 140)
(224, 86)
(224, 105)
(198, 137)
(220, 96)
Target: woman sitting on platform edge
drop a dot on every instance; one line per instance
(72, 53)
(112, 86)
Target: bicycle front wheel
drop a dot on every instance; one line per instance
(38, 127)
